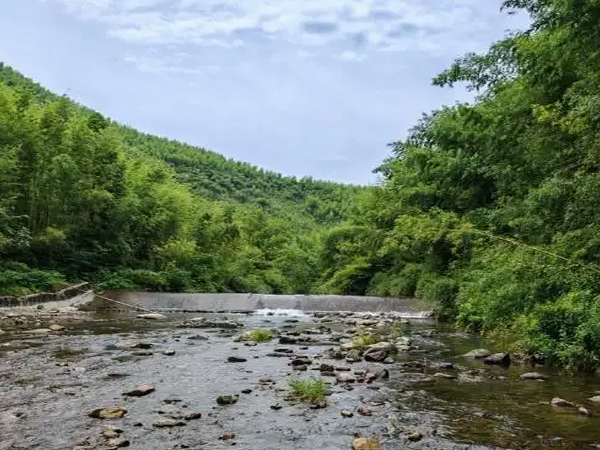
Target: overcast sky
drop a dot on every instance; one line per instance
(304, 87)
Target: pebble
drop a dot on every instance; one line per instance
(227, 399)
(140, 391)
(167, 423)
(227, 436)
(114, 412)
(366, 444)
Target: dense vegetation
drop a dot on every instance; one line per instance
(82, 197)
(489, 209)
(492, 209)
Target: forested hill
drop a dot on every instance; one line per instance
(210, 174)
(85, 198)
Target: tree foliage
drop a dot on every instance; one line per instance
(490, 208)
(82, 197)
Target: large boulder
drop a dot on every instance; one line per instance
(378, 352)
(498, 359)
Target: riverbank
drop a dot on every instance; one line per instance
(417, 392)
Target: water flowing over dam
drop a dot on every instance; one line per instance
(250, 303)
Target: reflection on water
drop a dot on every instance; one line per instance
(501, 409)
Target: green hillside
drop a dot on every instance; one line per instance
(83, 197)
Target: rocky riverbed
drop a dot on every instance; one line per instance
(80, 381)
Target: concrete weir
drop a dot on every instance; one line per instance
(249, 303)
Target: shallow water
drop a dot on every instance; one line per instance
(48, 383)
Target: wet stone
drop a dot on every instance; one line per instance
(168, 423)
(595, 399)
(236, 359)
(169, 352)
(346, 414)
(366, 444)
(584, 411)
(118, 442)
(140, 391)
(193, 415)
(558, 402)
(345, 377)
(364, 410)
(533, 376)
(227, 436)
(498, 359)
(227, 399)
(478, 353)
(415, 436)
(115, 412)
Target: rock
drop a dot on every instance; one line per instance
(167, 423)
(595, 399)
(115, 412)
(169, 352)
(378, 352)
(2, 332)
(284, 350)
(193, 415)
(353, 356)
(142, 353)
(151, 316)
(287, 340)
(415, 436)
(446, 376)
(247, 391)
(236, 359)
(366, 444)
(533, 376)
(444, 366)
(140, 391)
(118, 442)
(389, 360)
(499, 359)
(300, 367)
(110, 432)
(40, 331)
(300, 362)
(558, 402)
(346, 414)
(227, 399)
(326, 368)
(276, 407)
(56, 327)
(584, 411)
(376, 373)
(363, 410)
(345, 377)
(478, 353)
(227, 436)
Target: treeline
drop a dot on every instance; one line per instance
(83, 198)
(492, 209)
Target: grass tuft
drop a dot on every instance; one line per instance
(364, 340)
(260, 335)
(311, 390)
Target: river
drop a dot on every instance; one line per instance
(50, 380)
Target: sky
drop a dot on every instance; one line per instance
(305, 88)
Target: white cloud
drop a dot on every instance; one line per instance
(351, 56)
(428, 25)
